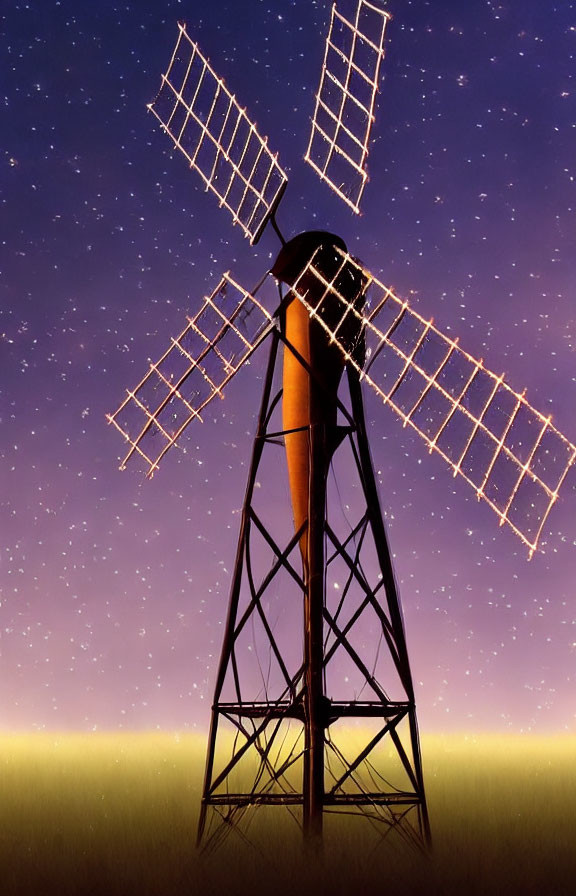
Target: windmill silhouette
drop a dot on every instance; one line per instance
(280, 729)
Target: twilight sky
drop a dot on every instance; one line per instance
(113, 588)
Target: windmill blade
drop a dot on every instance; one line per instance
(206, 123)
(512, 455)
(195, 368)
(344, 112)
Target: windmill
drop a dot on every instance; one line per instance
(332, 319)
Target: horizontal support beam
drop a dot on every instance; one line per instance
(369, 799)
(295, 799)
(253, 799)
(271, 710)
(334, 709)
(369, 709)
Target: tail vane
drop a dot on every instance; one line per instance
(508, 452)
(346, 98)
(213, 132)
(194, 369)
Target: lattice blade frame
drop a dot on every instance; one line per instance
(206, 123)
(344, 111)
(508, 452)
(196, 367)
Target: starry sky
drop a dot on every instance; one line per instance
(114, 588)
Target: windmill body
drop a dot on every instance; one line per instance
(339, 329)
(291, 733)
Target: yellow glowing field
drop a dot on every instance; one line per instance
(111, 814)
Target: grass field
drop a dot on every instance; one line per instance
(111, 814)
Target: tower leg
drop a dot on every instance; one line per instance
(368, 479)
(311, 772)
(227, 656)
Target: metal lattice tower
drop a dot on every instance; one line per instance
(283, 743)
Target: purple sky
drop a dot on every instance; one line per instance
(114, 589)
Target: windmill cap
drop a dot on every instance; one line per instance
(297, 252)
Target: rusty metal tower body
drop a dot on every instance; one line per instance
(302, 773)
